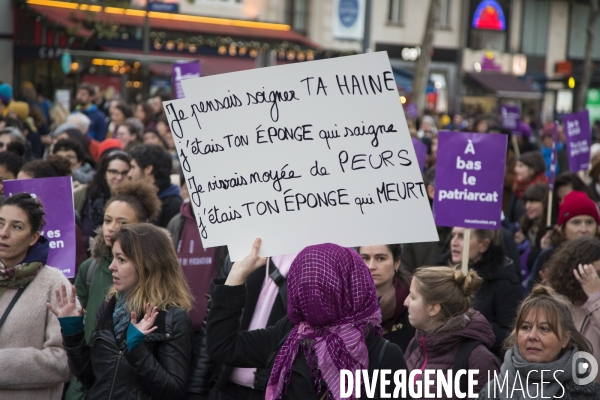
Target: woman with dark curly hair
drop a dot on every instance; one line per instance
(573, 271)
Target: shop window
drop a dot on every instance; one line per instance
(296, 14)
(536, 16)
(445, 14)
(396, 11)
(577, 33)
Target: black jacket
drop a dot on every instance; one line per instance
(401, 332)
(256, 349)
(253, 285)
(171, 203)
(500, 294)
(156, 369)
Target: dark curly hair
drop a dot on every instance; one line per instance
(11, 162)
(68, 144)
(141, 196)
(51, 167)
(31, 206)
(158, 157)
(584, 250)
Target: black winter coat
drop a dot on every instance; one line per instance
(499, 296)
(156, 369)
(256, 349)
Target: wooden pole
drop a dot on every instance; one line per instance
(465, 252)
(549, 217)
(516, 146)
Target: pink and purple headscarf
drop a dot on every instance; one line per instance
(333, 303)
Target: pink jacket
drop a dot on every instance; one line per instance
(586, 317)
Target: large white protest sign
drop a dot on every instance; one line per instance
(301, 154)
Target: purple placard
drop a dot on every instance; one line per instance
(421, 150)
(579, 140)
(510, 116)
(469, 180)
(56, 194)
(554, 157)
(184, 70)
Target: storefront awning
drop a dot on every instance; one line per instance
(504, 85)
(71, 15)
(404, 80)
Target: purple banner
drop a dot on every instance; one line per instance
(469, 180)
(184, 70)
(579, 140)
(421, 150)
(56, 195)
(554, 158)
(510, 116)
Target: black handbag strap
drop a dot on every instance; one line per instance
(279, 280)
(11, 305)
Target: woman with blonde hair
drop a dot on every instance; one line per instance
(450, 335)
(544, 340)
(142, 343)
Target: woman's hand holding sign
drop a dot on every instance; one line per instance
(242, 269)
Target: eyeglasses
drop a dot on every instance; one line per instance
(114, 172)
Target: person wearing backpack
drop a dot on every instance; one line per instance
(450, 335)
(132, 202)
(333, 323)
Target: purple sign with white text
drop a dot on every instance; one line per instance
(421, 151)
(579, 140)
(56, 195)
(469, 180)
(184, 70)
(510, 116)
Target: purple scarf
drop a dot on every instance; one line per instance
(333, 303)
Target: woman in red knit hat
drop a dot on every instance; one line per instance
(578, 216)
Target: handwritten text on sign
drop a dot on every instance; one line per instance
(301, 154)
(469, 180)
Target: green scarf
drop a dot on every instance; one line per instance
(18, 276)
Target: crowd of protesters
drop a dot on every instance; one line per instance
(151, 313)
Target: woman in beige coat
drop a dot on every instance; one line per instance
(33, 363)
(573, 271)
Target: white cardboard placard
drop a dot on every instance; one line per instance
(262, 158)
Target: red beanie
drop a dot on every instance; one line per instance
(109, 144)
(577, 203)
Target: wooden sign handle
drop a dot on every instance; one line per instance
(549, 217)
(465, 252)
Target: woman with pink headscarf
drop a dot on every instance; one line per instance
(332, 324)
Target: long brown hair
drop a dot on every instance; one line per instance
(162, 283)
(558, 313)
